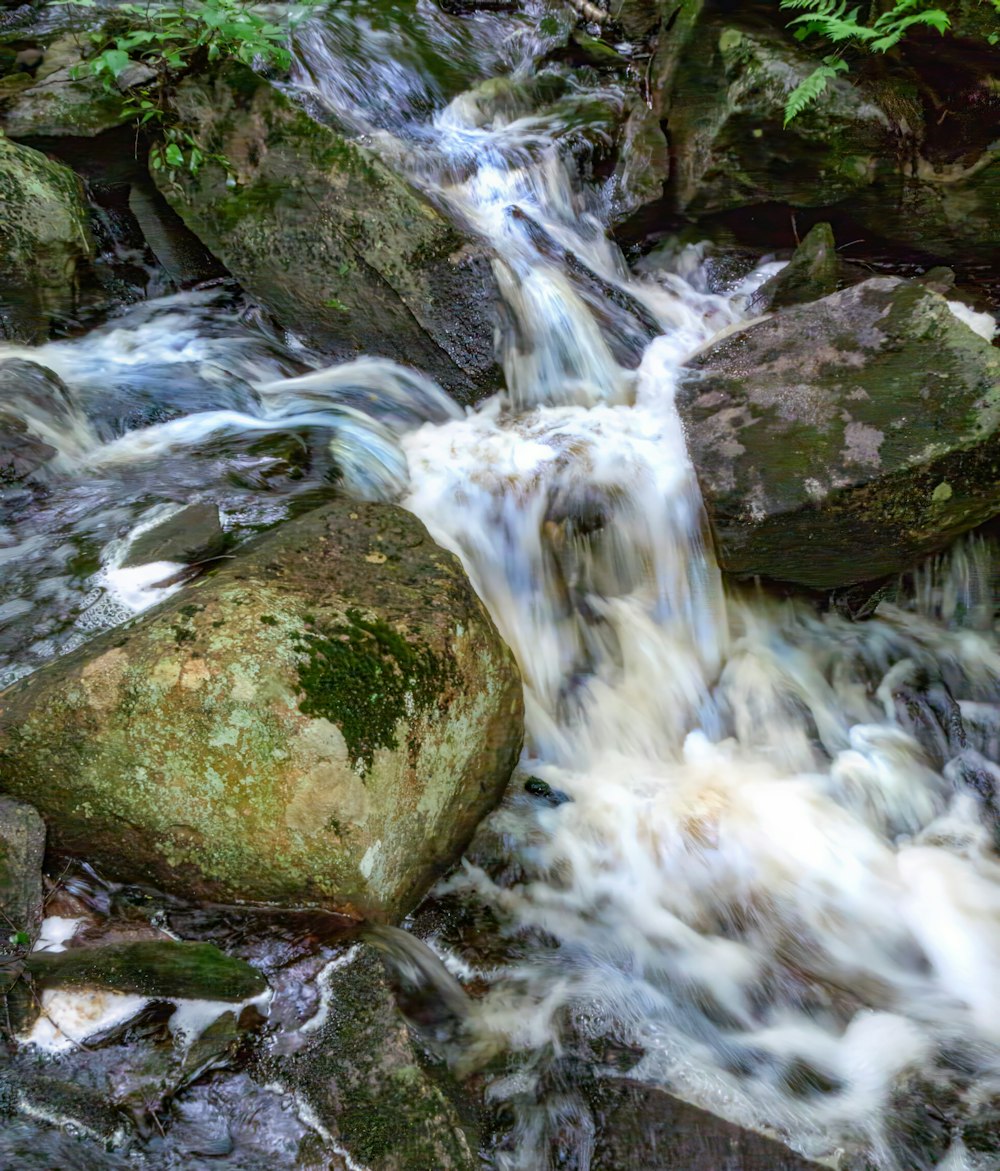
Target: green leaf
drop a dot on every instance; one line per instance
(115, 61)
(809, 90)
(174, 155)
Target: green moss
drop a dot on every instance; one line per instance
(365, 677)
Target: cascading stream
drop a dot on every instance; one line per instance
(761, 877)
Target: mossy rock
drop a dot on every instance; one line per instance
(813, 272)
(159, 968)
(44, 238)
(726, 105)
(337, 246)
(322, 721)
(370, 1084)
(844, 440)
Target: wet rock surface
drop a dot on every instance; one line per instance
(864, 421)
(323, 721)
(369, 1083)
(813, 272)
(22, 847)
(192, 533)
(336, 245)
(45, 237)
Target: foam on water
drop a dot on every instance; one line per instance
(776, 873)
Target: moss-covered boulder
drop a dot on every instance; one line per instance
(44, 238)
(322, 722)
(844, 440)
(726, 115)
(341, 249)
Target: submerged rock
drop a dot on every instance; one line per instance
(322, 721)
(335, 244)
(845, 440)
(44, 237)
(192, 533)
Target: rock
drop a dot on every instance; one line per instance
(812, 273)
(368, 1084)
(864, 421)
(31, 398)
(322, 721)
(191, 534)
(643, 162)
(164, 969)
(61, 99)
(44, 237)
(22, 848)
(76, 1108)
(726, 115)
(943, 208)
(321, 231)
(645, 1129)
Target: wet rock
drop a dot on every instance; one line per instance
(812, 273)
(31, 398)
(869, 420)
(77, 1109)
(645, 1129)
(191, 534)
(643, 162)
(337, 246)
(322, 721)
(165, 969)
(22, 847)
(727, 133)
(61, 99)
(369, 1085)
(45, 237)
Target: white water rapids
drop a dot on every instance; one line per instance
(759, 877)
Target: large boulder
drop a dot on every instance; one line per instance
(322, 722)
(336, 245)
(843, 440)
(726, 115)
(44, 238)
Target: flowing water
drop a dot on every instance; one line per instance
(766, 858)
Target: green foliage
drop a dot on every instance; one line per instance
(168, 39)
(842, 27)
(806, 92)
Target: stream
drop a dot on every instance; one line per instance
(732, 856)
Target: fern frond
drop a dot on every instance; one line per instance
(810, 89)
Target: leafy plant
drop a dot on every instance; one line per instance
(835, 23)
(167, 39)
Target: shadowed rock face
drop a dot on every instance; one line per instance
(340, 248)
(44, 237)
(324, 721)
(844, 440)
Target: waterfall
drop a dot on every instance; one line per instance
(755, 873)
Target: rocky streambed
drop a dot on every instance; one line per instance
(497, 615)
